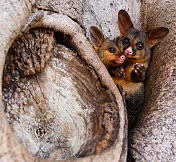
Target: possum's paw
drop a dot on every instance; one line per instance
(139, 68)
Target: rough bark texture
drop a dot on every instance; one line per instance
(28, 55)
(103, 14)
(10, 24)
(35, 116)
(71, 8)
(63, 111)
(153, 139)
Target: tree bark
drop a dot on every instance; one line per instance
(153, 138)
(70, 107)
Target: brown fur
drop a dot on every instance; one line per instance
(102, 46)
(135, 66)
(134, 36)
(141, 56)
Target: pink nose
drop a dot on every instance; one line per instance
(122, 57)
(129, 51)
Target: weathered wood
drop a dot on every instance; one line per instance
(36, 105)
(59, 111)
(28, 55)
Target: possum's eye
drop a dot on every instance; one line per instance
(139, 45)
(126, 42)
(112, 49)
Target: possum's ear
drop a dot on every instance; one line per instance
(96, 36)
(157, 35)
(124, 22)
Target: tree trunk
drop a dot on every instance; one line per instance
(59, 100)
(62, 110)
(153, 138)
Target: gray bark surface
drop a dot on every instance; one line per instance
(153, 138)
(103, 14)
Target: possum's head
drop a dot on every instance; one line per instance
(137, 44)
(107, 50)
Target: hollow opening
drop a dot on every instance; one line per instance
(54, 102)
(64, 39)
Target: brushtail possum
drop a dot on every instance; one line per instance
(136, 45)
(107, 50)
